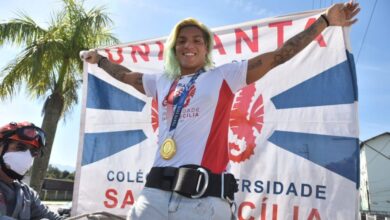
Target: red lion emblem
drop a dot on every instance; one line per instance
(244, 121)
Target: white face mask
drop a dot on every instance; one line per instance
(19, 161)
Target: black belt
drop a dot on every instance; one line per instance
(192, 181)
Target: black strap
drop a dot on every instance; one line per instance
(185, 180)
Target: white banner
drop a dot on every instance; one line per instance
(293, 137)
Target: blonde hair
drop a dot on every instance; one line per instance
(172, 66)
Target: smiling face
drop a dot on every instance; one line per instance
(190, 49)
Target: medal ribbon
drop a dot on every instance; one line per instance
(182, 98)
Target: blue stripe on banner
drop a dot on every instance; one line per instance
(98, 146)
(102, 95)
(338, 154)
(352, 67)
(336, 85)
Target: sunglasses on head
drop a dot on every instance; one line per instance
(33, 150)
(29, 133)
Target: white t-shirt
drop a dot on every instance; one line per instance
(201, 135)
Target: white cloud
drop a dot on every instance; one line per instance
(382, 68)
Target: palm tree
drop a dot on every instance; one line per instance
(49, 64)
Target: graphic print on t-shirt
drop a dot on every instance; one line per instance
(171, 99)
(175, 92)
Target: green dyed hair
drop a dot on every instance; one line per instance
(172, 66)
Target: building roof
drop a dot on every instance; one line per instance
(375, 137)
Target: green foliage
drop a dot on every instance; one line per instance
(55, 173)
(49, 62)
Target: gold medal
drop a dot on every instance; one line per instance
(168, 149)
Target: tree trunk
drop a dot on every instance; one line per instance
(52, 114)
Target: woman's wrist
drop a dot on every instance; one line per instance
(323, 16)
(101, 60)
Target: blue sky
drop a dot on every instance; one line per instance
(143, 19)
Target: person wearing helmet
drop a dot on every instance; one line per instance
(20, 143)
